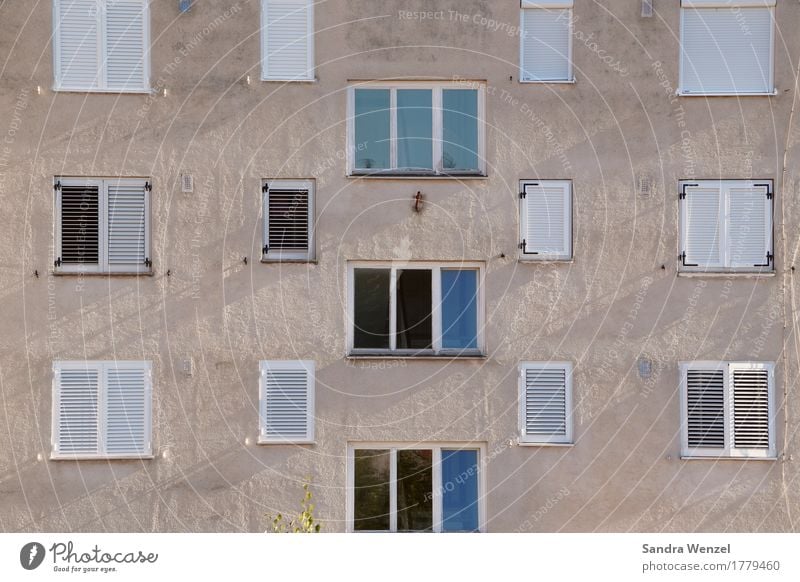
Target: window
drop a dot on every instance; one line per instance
(727, 409)
(415, 488)
(416, 129)
(545, 402)
(101, 410)
(288, 220)
(286, 402)
(727, 47)
(726, 226)
(287, 40)
(546, 219)
(546, 41)
(102, 225)
(415, 309)
(102, 45)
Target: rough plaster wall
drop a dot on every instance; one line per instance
(622, 474)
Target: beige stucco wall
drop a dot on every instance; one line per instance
(611, 305)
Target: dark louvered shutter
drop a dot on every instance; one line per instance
(79, 225)
(705, 399)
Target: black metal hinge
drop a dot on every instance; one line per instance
(682, 193)
(57, 262)
(523, 194)
(148, 262)
(769, 189)
(523, 245)
(148, 186)
(265, 250)
(682, 258)
(57, 185)
(770, 256)
(265, 188)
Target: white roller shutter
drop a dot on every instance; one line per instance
(546, 220)
(701, 219)
(546, 44)
(126, 45)
(287, 402)
(127, 403)
(128, 240)
(546, 402)
(726, 50)
(287, 40)
(77, 45)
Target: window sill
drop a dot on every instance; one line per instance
(767, 94)
(278, 80)
(535, 444)
(428, 356)
(726, 274)
(544, 259)
(547, 82)
(58, 273)
(266, 442)
(273, 261)
(417, 176)
(54, 457)
(147, 91)
(724, 458)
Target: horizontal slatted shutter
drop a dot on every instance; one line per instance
(125, 43)
(287, 401)
(127, 228)
(749, 226)
(726, 51)
(77, 46)
(79, 224)
(705, 408)
(77, 421)
(751, 408)
(546, 220)
(127, 402)
(288, 220)
(287, 39)
(701, 228)
(545, 45)
(545, 406)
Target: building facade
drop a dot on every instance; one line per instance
(478, 266)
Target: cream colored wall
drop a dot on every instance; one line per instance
(613, 303)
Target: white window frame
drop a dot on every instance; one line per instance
(103, 266)
(101, 366)
(436, 318)
(278, 256)
(727, 260)
(310, 65)
(524, 255)
(437, 129)
(102, 48)
(309, 367)
(436, 447)
(716, 4)
(729, 451)
(568, 439)
(546, 5)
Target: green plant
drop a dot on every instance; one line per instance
(304, 522)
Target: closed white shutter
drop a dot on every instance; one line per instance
(546, 220)
(76, 44)
(287, 402)
(545, 402)
(751, 406)
(76, 423)
(727, 50)
(749, 226)
(126, 44)
(287, 31)
(546, 44)
(288, 220)
(705, 408)
(701, 217)
(128, 207)
(127, 402)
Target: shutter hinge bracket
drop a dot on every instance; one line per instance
(682, 259)
(522, 245)
(148, 262)
(148, 186)
(770, 258)
(769, 190)
(265, 250)
(523, 194)
(682, 193)
(265, 188)
(57, 262)
(57, 186)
